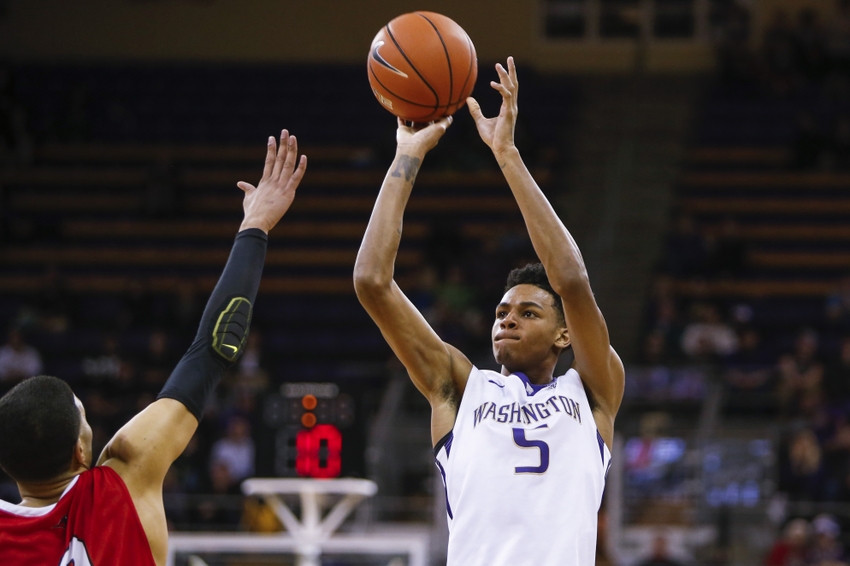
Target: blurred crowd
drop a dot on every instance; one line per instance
(803, 57)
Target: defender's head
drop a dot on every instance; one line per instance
(43, 431)
(530, 326)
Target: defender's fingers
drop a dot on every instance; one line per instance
(292, 156)
(503, 90)
(245, 186)
(504, 78)
(271, 151)
(512, 70)
(298, 174)
(282, 152)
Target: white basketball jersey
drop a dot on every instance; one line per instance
(524, 468)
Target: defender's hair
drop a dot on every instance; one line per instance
(39, 428)
(535, 274)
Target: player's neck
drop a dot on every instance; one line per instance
(42, 494)
(538, 376)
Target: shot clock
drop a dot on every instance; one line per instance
(309, 418)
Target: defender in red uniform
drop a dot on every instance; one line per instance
(112, 514)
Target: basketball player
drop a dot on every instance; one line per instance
(112, 514)
(523, 453)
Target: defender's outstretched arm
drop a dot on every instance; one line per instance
(596, 361)
(437, 369)
(143, 450)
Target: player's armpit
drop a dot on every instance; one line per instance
(437, 369)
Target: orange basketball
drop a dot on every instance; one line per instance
(422, 66)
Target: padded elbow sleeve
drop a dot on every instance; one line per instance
(224, 326)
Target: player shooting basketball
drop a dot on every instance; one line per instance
(75, 514)
(523, 453)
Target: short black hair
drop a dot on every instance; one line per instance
(535, 274)
(39, 428)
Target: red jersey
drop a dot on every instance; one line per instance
(94, 523)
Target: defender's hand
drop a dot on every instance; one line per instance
(266, 203)
(419, 141)
(498, 132)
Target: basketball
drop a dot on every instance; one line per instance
(422, 66)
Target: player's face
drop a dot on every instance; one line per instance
(85, 432)
(527, 329)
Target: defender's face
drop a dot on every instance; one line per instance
(85, 432)
(527, 328)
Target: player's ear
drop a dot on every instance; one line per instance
(563, 338)
(80, 460)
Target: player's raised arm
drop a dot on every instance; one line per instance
(596, 361)
(437, 369)
(143, 450)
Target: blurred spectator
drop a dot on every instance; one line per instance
(800, 373)
(106, 366)
(235, 452)
(801, 469)
(708, 337)
(838, 305)
(826, 549)
(790, 550)
(660, 554)
(18, 360)
(748, 372)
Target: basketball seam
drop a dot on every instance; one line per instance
(415, 70)
(377, 80)
(446, 51)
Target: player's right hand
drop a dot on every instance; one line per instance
(420, 140)
(265, 204)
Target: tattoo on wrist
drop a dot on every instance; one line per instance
(407, 166)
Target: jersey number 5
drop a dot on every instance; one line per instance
(521, 441)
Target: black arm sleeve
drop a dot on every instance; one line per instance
(224, 325)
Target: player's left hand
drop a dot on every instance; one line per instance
(498, 132)
(266, 203)
(419, 139)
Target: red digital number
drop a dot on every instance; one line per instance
(311, 460)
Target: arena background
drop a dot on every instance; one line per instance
(699, 151)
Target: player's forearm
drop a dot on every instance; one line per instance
(376, 258)
(553, 243)
(224, 325)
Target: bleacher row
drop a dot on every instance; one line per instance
(83, 209)
(794, 224)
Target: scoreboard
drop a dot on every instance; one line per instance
(310, 419)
